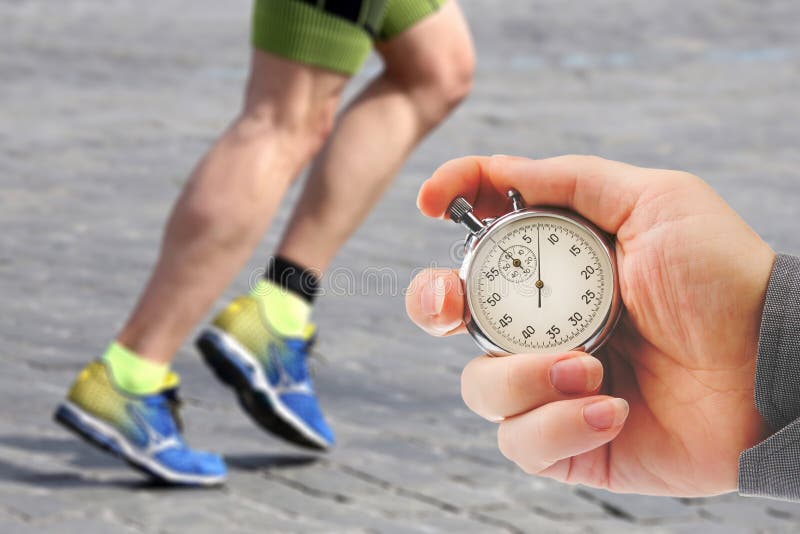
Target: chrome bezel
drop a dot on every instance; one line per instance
(609, 322)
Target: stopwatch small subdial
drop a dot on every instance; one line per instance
(517, 263)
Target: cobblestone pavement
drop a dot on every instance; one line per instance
(104, 106)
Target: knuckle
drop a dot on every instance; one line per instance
(592, 166)
(583, 160)
(689, 178)
(534, 462)
(518, 383)
(529, 469)
(471, 392)
(679, 178)
(594, 159)
(505, 441)
(466, 392)
(508, 443)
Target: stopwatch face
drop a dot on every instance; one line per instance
(540, 284)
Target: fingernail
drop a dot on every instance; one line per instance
(432, 296)
(606, 414)
(442, 329)
(576, 375)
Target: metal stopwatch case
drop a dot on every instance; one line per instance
(537, 280)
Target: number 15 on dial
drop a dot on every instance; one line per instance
(537, 280)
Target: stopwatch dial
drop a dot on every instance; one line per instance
(517, 263)
(561, 301)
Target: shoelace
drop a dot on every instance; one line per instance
(174, 404)
(310, 349)
(314, 356)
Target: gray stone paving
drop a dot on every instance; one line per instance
(104, 106)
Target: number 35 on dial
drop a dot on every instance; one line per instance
(537, 280)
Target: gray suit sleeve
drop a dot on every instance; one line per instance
(772, 468)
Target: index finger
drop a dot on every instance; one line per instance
(601, 190)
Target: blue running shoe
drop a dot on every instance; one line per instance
(268, 373)
(142, 430)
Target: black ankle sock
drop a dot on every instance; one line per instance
(293, 277)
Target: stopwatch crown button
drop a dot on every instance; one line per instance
(458, 209)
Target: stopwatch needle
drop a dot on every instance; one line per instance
(539, 283)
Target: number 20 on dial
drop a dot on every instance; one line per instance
(537, 280)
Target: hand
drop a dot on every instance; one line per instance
(666, 407)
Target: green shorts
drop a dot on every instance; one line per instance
(332, 34)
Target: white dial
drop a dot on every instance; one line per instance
(542, 283)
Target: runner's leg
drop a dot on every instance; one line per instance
(230, 199)
(428, 71)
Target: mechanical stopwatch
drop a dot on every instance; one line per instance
(537, 280)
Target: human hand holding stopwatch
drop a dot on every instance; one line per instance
(665, 403)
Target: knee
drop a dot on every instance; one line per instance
(304, 122)
(439, 83)
(452, 82)
(298, 127)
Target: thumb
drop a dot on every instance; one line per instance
(435, 302)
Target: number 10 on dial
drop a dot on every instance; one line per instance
(537, 280)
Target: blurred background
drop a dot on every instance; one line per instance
(106, 104)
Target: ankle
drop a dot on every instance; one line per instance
(286, 313)
(285, 296)
(132, 373)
